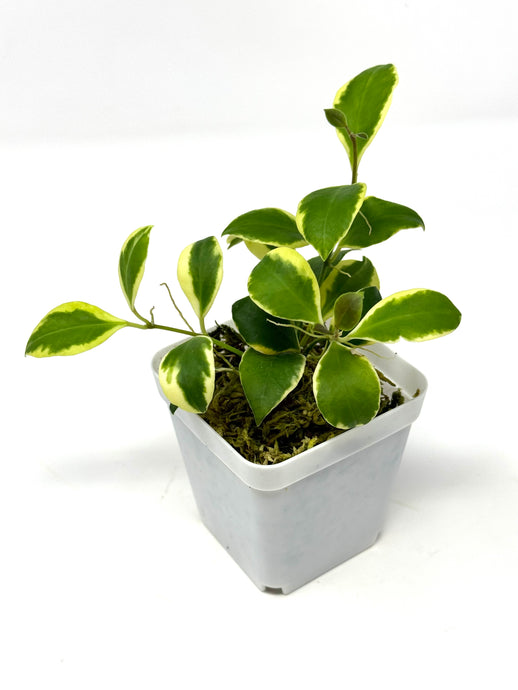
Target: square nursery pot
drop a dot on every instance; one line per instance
(287, 524)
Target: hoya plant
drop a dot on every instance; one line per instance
(325, 311)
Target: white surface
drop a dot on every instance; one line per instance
(108, 577)
(97, 68)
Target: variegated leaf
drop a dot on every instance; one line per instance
(70, 329)
(187, 374)
(411, 314)
(267, 379)
(324, 217)
(132, 262)
(271, 226)
(377, 220)
(200, 271)
(284, 285)
(365, 101)
(346, 388)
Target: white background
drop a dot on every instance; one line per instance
(184, 115)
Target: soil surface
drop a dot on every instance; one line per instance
(292, 427)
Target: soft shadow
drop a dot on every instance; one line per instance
(431, 468)
(154, 463)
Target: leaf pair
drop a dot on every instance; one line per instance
(345, 217)
(322, 220)
(345, 385)
(335, 216)
(76, 327)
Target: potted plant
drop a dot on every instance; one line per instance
(292, 418)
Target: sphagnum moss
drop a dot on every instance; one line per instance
(293, 427)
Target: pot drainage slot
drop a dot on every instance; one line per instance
(273, 590)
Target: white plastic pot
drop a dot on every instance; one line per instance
(287, 524)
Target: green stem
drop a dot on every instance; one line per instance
(226, 346)
(355, 159)
(354, 141)
(176, 307)
(148, 325)
(142, 318)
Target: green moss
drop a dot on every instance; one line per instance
(293, 427)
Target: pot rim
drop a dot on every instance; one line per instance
(341, 447)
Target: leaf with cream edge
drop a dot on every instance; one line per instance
(324, 217)
(257, 249)
(284, 285)
(271, 226)
(411, 314)
(377, 221)
(267, 379)
(187, 375)
(346, 387)
(200, 271)
(70, 329)
(365, 101)
(132, 262)
(349, 275)
(259, 332)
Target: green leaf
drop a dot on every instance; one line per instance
(335, 117)
(377, 220)
(365, 101)
(348, 276)
(346, 388)
(284, 285)
(324, 217)
(132, 262)
(72, 328)
(259, 332)
(410, 314)
(271, 226)
(371, 296)
(187, 374)
(348, 310)
(267, 379)
(317, 266)
(200, 270)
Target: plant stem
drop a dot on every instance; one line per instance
(148, 325)
(354, 164)
(142, 318)
(176, 307)
(355, 159)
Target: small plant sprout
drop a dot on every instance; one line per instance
(326, 310)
